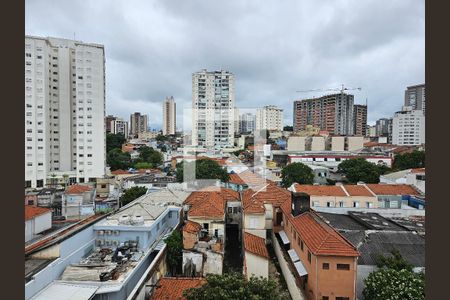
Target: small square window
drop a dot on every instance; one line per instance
(326, 266)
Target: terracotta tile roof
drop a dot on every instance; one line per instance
(418, 170)
(191, 227)
(255, 245)
(318, 236)
(119, 172)
(247, 177)
(210, 204)
(34, 211)
(253, 201)
(357, 190)
(170, 288)
(320, 190)
(392, 189)
(78, 189)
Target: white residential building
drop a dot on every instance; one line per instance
(247, 123)
(408, 127)
(269, 117)
(415, 97)
(64, 110)
(169, 116)
(213, 109)
(119, 126)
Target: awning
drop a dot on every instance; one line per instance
(293, 255)
(284, 237)
(300, 268)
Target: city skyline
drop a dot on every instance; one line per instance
(294, 56)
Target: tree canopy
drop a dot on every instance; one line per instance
(149, 155)
(234, 286)
(394, 279)
(114, 141)
(359, 169)
(132, 194)
(415, 159)
(174, 257)
(204, 169)
(116, 159)
(296, 172)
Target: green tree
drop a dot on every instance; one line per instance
(132, 194)
(149, 155)
(296, 173)
(116, 159)
(174, 257)
(359, 169)
(114, 141)
(395, 261)
(161, 138)
(234, 286)
(394, 279)
(415, 159)
(143, 165)
(204, 169)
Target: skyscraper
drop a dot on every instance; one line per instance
(108, 120)
(408, 127)
(169, 116)
(119, 126)
(333, 113)
(138, 124)
(269, 117)
(360, 119)
(415, 97)
(247, 123)
(213, 109)
(64, 110)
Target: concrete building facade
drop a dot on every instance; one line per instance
(213, 109)
(119, 126)
(415, 97)
(138, 124)
(247, 123)
(169, 116)
(269, 117)
(360, 119)
(64, 110)
(333, 113)
(408, 127)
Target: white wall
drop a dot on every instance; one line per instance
(256, 265)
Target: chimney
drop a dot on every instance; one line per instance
(300, 203)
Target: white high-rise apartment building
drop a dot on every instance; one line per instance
(64, 110)
(119, 126)
(169, 116)
(213, 110)
(247, 123)
(270, 118)
(408, 127)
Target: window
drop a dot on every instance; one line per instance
(326, 266)
(309, 256)
(341, 203)
(230, 210)
(343, 266)
(342, 298)
(206, 226)
(355, 204)
(330, 204)
(325, 298)
(301, 245)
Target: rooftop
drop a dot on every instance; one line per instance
(191, 227)
(374, 221)
(34, 211)
(170, 288)
(392, 189)
(253, 200)
(368, 190)
(78, 189)
(320, 237)
(210, 204)
(255, 245)
(319, 190)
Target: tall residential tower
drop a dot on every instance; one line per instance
(213, 109)
(138, 124)
(64, 110)
(169, 116)
(415, 97)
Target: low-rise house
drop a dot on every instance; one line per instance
(256, 256)
(149, 181)
(78, 201)
(31, 198)
(261, 209)
(391, 195)
(191, 234)
(47, 197)
(414, 177)
(324, 261)
(170, 288)
(37, 220)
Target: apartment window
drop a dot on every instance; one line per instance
(329, 204)
(355, 204)
(341, 203)
(343, 267)
(369, 204)
(309, 256)
(326, 266)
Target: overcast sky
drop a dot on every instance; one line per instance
(274, 48)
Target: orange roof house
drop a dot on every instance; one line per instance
(34, 211)
(255, 245)
(170, 288)
(392, 189)
(78, 189)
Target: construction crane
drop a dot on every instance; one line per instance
(342, 89)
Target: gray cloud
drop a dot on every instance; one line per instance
(273, 47)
